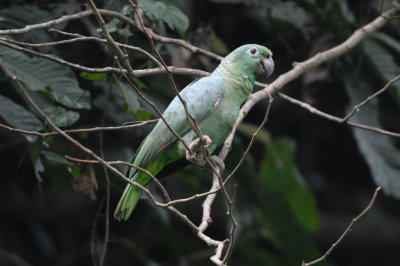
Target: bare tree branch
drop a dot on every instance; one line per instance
(254, 135)
(136, 73)
(302, 67)
(336, 119)
(358, 106)
(355, 219)
(112, 14)
(162, 188)
(77, 38)
(70, 131)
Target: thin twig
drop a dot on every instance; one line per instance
(136, 73)
(93, 235)
(162, 188)
(76, 38)
(380, 6)
(112, 14)
(355, 219)
(339, 120)
(83, 130)
(169, 202)
(369, 98)
(105, 170)
(206, 218)
(253, 137)
(395, 4)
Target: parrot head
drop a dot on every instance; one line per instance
(252, 57)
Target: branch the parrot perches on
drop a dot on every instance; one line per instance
(214, 101)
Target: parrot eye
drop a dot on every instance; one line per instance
(253, 51)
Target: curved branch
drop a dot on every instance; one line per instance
(336, 119)
(302, 67)
(70, 131)
(112, 14)
(355, 219)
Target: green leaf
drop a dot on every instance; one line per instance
(60, 116)
(384, 64)
(219, 46)
(55, 158)
(142, 115)
(291, 13)
(46, 142)
(379, 151)
(138, 83)
(111, 26)
(94, 76)
(39, 74)
(83, 135)
(115, 25)
(153, 10)
(287, 235)
(171, 15)
(18, 117)
(74, 170)
(36, 161)
(131, 100)
(175, 19)
(18, 16)
(280, 175)
(115, 5)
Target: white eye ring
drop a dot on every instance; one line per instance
(253, 51)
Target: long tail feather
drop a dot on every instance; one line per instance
(127, 203)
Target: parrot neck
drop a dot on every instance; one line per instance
(235, 76)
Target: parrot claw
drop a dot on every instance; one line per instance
(200, 161)
(195, 146)
(190, 156)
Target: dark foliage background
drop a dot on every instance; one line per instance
(300, 186)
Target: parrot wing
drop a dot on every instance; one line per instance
(200, 97)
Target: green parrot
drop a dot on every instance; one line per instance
(215, 101)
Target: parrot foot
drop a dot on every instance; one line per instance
(195, 145)
(200, 160)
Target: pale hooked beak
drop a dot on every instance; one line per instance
(265, 67)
